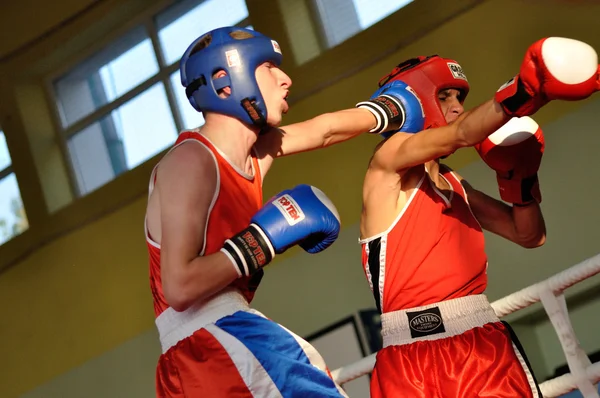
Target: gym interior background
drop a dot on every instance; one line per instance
(90, 100)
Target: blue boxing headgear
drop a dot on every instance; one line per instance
(238, 52)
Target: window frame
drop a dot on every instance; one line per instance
(8, 170)
(147, 21)
(329, 62)
(322, 28)
(5, 173)
(342, 61)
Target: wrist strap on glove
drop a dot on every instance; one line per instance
(513, 97)
(520, 191)
(524, 204)
(249, 250)
(386, 109)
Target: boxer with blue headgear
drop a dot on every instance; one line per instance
(209, 234)
(238, 52)
(423, 247)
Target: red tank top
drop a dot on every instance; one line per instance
(237, 199)
(433, 251)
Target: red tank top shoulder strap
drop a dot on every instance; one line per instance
(256, 166)
(449, 174)
(453, 179)
(194, 135)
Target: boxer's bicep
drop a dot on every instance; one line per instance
(493, 215)
(523, 225)
(403, 150)
(187, 182)
(469, 129)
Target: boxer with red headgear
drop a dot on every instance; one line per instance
(428, 77)
(423, 250)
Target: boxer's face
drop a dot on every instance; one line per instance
(451, 104)
(274, 86)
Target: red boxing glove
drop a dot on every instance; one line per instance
(515, 152)
(553, 68)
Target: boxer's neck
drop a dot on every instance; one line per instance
(433, 169)
(232, 137)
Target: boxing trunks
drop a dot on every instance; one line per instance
(456, 348)
(223, 348)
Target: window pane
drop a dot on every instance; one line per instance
(4, 155)
(180, 25)
(131, 134)
(90, 151)
(107, 75)
(372, 11)
(13, 220)
(190, 117)
(342, 19)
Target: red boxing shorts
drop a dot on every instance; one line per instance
(223, 348)
(456, 348)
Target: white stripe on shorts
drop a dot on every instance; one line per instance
(530, 380)
(252, 372)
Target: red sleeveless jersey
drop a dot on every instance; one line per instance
(237, 198)
(433, 251)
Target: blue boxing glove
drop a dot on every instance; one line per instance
(303, 215)
(396, 107)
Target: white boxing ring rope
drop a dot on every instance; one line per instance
(583, 374)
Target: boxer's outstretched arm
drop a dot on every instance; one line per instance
(186, 183)
(523, 225)
(403, 150)
(318, 132)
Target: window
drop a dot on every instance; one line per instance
(13, 220)
(125, 103)
(342, 19)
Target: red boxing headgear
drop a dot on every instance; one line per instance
(427, 76)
